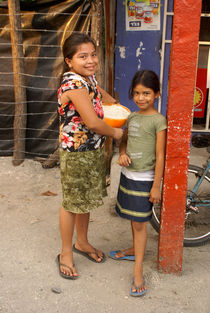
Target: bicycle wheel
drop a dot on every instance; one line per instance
(197, 226)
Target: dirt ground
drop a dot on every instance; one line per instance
(30, 197)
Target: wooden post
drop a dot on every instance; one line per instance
(109, 8)
(182, 80)
(20, 93)
(96, 34)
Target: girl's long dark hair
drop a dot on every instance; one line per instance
(71, 45)
(146, 78)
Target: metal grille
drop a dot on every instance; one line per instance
(199, 124)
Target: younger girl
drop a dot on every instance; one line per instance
(82, 131)
(142, 151)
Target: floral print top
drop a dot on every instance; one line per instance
(74, 134)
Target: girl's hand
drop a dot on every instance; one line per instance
(124, 160)
(155, 195)
(118, 133)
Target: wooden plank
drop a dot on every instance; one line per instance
(96, 34)
(109, 10)
(19, 89)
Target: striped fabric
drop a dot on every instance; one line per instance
(133, 199)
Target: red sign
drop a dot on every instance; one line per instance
(200, 93)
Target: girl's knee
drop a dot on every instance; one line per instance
(139, 226)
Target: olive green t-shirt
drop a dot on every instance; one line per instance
(141, 144)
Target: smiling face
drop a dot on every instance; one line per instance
(84, 61)
(144, 98)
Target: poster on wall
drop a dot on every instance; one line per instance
(142, 15)
(208, 71)
(200, 93)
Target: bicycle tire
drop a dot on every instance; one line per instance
(197, 240)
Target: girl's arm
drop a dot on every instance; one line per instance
(155, 193)
(124, 159)
(83, 105)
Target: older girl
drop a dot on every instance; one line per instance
(82, 136)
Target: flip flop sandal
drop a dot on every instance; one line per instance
(86, 254)
(136, 293)
(61, 273)
(112, 254)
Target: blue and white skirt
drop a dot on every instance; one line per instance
(133, 197)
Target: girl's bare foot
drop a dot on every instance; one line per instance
(121, 254)
(67, 266)
(138, 285)
(93, 253)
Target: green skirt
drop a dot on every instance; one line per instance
(83, 179)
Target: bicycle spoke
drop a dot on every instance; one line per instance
(197, 221)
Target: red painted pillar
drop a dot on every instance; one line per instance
(182, 79)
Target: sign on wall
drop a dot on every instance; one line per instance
(200, 93)
(208, 71)
(142, 15)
